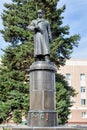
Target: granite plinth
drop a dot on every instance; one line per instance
(44, 118)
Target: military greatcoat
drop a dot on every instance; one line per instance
(42, 36)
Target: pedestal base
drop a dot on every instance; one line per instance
(41, 118)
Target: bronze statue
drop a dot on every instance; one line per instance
(42, 36)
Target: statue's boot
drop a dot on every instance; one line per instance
(47, 58)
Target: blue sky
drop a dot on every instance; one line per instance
(75, 16)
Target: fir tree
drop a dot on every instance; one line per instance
(18, 56)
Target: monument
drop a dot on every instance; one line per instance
(42, 77)
(42, 36)
(42, 114)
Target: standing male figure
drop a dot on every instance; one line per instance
(42, 36)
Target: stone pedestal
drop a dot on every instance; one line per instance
(42, 114)
(42, 95)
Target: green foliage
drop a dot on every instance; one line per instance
(18, 56)
(14, 94)
(17, 118)
(6, 128)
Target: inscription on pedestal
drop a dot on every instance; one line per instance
(43, 118)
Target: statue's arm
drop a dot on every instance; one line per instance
(31, 26)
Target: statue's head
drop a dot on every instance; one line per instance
(40, 13)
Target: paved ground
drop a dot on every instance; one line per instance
(21, 127)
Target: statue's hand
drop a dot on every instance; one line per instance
(37, 28)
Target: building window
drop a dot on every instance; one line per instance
(82, 89)
(82, 77)
(68, 78)
(84, 114)
(70, 116)
(82, 80)
(83, 101)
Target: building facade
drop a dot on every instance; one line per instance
(75, 72)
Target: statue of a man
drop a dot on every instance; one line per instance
(42, 36)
